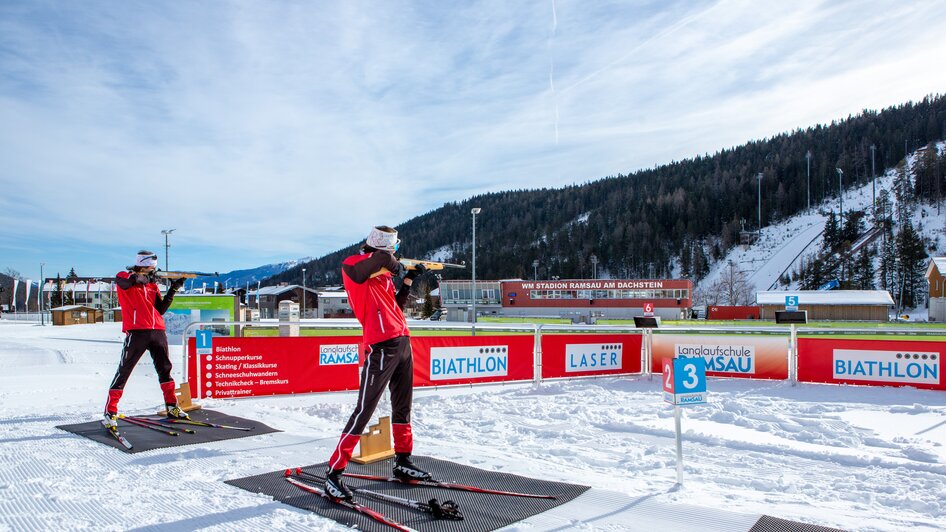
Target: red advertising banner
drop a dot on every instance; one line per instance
(243, 367)
(445, 360)
(872, 362)
(744, 356)
(579, 355)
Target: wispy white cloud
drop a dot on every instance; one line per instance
(272, 130)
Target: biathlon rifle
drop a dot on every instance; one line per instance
(183, 275)
(411, 264)
(176, 274)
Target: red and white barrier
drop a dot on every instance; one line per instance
(580, 355)
(727, 355)
(892, 362)
(254, 366)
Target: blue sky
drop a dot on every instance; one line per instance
(268, 131)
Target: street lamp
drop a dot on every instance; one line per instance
(41, 286)
(808, 159)
(535, 270)
(873, 177)
(594, 266)
(759, 176)
(303, 292)
(474, 211)
(167, 246)
(840, 195)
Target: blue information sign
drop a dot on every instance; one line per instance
(204, 341)
(685, 382)
(791, 303)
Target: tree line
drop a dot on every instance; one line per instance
(678, 217)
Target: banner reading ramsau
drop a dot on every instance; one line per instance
(745, 356)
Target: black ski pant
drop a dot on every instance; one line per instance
(389, 364)
(137, 342)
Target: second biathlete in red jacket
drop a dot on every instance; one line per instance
(369, 282)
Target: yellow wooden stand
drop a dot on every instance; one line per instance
(184, 401)
(375, 445)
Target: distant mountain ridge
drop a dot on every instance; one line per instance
(674, 220)
(240, 278)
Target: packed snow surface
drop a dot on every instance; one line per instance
(856, 458)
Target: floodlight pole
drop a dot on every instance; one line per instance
(42, 320)
(840, 196)
(167, 247)
(474, 211)
(808, 159)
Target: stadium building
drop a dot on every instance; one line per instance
(581, 300)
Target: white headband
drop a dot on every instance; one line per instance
(382, 240)
(146, 260)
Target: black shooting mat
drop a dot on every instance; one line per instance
(767, 523)
(143, 439)
(481, 511)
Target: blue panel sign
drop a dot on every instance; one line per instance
(685, 381)
(204, 340)
(791, 303)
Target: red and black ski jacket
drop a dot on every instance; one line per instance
(373, 299)
(141, 302)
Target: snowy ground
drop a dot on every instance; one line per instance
(850, 457)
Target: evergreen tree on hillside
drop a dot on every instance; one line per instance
(832, 235)
(889, 264)
(863, 278)
(913, 260)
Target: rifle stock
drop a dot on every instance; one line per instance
(411, 264)
(183, 275)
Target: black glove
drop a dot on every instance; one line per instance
(176, 284)
(141, 278)
(417, 271)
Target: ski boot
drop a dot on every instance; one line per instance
(175, 412)
(335, 487)
(404, 469)
(110, 421)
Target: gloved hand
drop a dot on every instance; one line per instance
(417, 271)
(141, 278)
(153, 277)
(176, 284)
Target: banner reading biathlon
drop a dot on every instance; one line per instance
(445, 360)
(746, 356)
(872, 362)
(243, 367)
(577, 355)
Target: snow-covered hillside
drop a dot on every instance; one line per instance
(782, 245)
(851, 457)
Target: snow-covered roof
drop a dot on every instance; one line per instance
(333, 295)
(276, 290)
(939, 263)
(827, 297)
(73, 307)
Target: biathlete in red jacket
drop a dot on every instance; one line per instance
(143, 325)
(368, 279)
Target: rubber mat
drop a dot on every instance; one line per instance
(767, 523)
(143, 439)
(481, 511)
